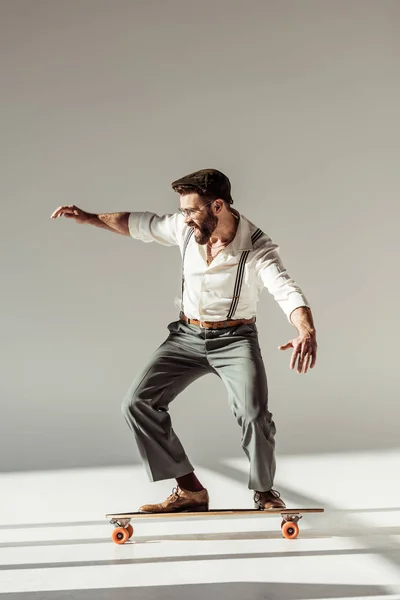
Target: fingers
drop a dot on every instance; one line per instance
(62, 211)
(306, 363)
(305, 353)
(300, 364)
(295, 354)
(285, 346)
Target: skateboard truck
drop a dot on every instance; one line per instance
(292, 518)
(120, 522)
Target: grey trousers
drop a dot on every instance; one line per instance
(233, 353)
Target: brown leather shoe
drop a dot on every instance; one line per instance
(268, 500)
(180, 501)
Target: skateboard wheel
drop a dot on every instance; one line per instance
(120, 535)
(290, 530)
(129, 529)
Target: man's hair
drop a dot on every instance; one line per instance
(185, 190)
(209, 184)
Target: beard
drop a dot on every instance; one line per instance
(204, 230)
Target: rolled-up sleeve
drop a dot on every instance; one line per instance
(276, 279)
(149, 227)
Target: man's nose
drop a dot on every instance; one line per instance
(187, 219)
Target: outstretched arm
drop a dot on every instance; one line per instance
(116, 222)
(144, 226)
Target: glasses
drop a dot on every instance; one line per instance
(190, 212)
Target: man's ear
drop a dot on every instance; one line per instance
(218, 205)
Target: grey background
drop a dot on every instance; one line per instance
(103, 104)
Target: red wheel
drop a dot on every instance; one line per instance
(120, 535)
(129, 529)
(290, 530)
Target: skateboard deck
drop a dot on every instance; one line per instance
(123, 530)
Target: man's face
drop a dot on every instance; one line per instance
(199, 216)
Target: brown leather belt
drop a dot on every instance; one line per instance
(216, 324)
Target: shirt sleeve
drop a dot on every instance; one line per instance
(149, 227)
(276, 279)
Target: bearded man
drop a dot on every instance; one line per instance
(226, 263)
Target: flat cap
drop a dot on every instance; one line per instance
(209, 181)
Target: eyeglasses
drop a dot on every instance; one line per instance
(190, 212)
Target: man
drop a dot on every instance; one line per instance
(226, 262)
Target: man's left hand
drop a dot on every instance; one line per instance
(304, 350)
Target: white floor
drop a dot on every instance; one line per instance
(55, 540)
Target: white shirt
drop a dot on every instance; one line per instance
(208, 290)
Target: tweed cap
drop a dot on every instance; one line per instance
(209, 181)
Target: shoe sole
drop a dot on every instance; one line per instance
(258, 507)
(200, 508)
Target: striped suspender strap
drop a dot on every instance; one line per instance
(256, 236)
(185, 245)
(239, 276)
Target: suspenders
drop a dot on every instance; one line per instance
(185, 245)
(239, 274)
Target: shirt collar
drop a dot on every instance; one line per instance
(242, 239)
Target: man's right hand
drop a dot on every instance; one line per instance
(115, 222)
(72, 212)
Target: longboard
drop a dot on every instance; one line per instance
(123, 530)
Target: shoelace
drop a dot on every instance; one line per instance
(175, 494)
